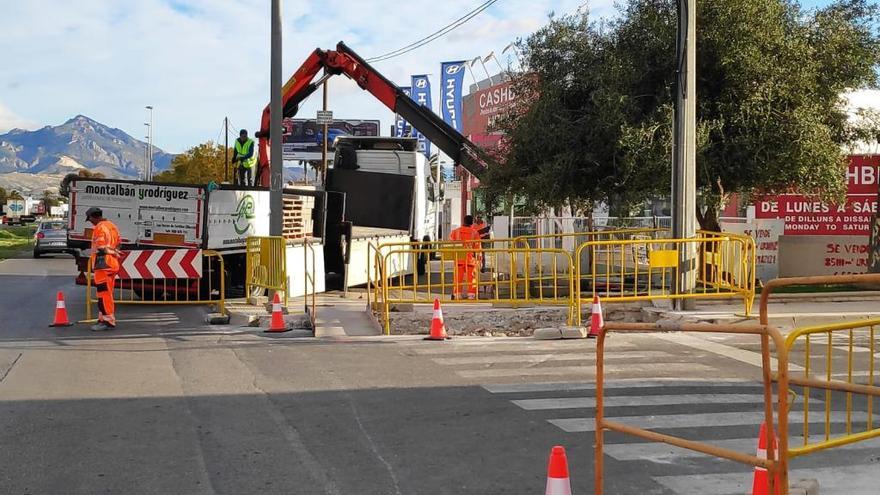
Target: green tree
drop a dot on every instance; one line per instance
(88, 174)
(3, 196)
(49, 200)
(15, 195)
(770, 117)
(198, 165)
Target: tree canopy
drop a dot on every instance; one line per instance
(594, 122)
(198, 165)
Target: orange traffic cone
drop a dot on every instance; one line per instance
(277, 324)
(438, 328)
(597, 321)
(761, 483)
(558, 482)
(60, 312)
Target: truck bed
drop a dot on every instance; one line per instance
(370, 232)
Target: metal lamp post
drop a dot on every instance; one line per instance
(149, 171)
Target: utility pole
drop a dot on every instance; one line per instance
(324, 147)
(276, 204)
(684, 176)
(226, 149)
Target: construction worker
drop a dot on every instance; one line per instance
(466, 263)
(105, 263)
(245, 157)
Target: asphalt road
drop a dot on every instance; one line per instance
(167, 405)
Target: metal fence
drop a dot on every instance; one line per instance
(209, 289)
(644, 269)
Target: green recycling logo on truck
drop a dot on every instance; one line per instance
(244, 213)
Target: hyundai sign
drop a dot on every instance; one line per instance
(421, 93)
(401, 126)
(450, 101)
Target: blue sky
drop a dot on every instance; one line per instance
(197, 61)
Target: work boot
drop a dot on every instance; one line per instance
(101, 327)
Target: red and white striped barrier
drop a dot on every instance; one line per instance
(161, 263)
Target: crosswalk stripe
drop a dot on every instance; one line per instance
(558, 345)
(579, 425)
(646, 368)
(540, 358)
(851, 480)
(514, 388)
(637, 401)
(663, 453)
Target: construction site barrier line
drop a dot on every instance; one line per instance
(266, 265)
(168, 292)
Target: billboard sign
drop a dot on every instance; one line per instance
(421, 93)
(483, 107)
(450, 101)
(806, 216)
(304, 138)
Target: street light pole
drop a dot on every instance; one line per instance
(276, 164)
(147, 158)
(149, 171)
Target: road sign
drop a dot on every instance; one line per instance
(325, 117)
(161, 263)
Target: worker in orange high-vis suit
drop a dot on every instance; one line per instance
(105, 263)
(466, 263)
(483, 229)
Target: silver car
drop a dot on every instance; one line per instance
(51, 237)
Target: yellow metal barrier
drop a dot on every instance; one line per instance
(644, 269)
(266, 265)
(311, 296)
(575, 239)
(210, 289)
(776, 466)
(859, 361)
(505, 279)
(856, 353)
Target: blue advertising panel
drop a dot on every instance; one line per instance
(421, 93)
(401, 126)
(450, 100)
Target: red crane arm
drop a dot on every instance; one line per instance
(345, 61)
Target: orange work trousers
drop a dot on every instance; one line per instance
(105, 280)
(466, 273)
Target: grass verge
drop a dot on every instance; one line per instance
(14, 240)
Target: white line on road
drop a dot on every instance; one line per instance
(744, 356)
(663, 453)
(513, 388)
(540, 358)
(648, 369)
(577, 425)
(849, 480)
(637, 401)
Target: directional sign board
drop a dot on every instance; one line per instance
(161, 263)
(324, 117)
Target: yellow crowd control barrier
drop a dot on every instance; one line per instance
(210, 289)
(642, 268)
(838, 358)
(265, 265)
(571, 240)
(494, 275)
(311, 293)
(776, 465)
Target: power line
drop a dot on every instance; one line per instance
(436, 34)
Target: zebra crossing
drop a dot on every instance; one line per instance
(554, 382)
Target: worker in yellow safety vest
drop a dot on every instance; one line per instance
(244, 159)
(466, 263)
(105, 263)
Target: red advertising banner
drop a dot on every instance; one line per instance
(805, 216)
(482, 107)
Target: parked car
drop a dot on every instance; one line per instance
(51, 237)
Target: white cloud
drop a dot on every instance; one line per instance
(10, 120)
(197, 61)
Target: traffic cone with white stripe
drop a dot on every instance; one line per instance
(558, 482)
(597, 321)
(761, 482)
(438, 327)
(277, 324)
(60, 312)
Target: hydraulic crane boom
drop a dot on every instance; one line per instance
(344, 61)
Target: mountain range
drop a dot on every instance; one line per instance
(36, 160)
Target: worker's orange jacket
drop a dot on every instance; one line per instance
(470, 239)
(105, 235)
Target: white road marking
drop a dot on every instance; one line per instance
(742, 355)
(638, 401)
(513, 388)
(849, 480)
(647, 368)
(662, 453)
(540, 358)
(577, 425)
